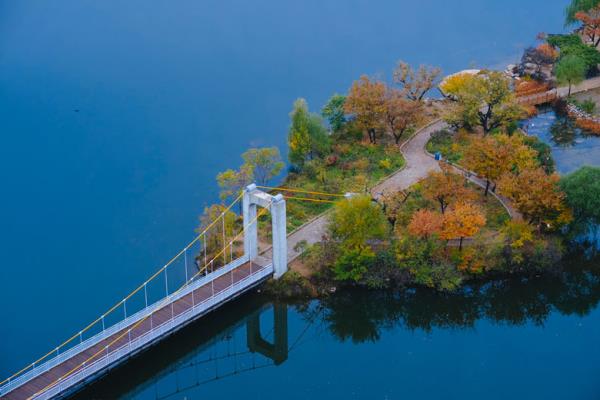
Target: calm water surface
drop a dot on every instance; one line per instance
(115, 117)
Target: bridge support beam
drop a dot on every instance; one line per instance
(276, 205)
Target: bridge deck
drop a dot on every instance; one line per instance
(45, 383)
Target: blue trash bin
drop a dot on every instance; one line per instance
(438, 156)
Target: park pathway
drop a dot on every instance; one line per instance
(418, 164)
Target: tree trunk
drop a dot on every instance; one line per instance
(397, 138)
(569, 95)
(460, 244)
(487, 187)
(442, 205)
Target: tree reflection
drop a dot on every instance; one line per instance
(564, 132)
(363, 315)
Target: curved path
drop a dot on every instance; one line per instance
(418, 164)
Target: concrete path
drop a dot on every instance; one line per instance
(418, 165)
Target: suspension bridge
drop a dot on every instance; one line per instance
(196, 281)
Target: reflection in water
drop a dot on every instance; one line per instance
(208, 350)
(571, 146)
(251, 334)
(362, 316)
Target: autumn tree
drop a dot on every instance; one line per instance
(492, 156)
(486, 100)
(333, 111)
(453, 84)
(415, 84)
(537, 196)
(576, 6)
(307, 137)
(425, 223)
(590, 24)
(401, 114)
(218, 235)
(445, 187)
(231, 182)
(570, 70)
(367, 103)
(461, 221)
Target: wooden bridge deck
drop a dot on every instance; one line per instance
(123, 338)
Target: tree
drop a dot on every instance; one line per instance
(401, 114)
(453, 84)
(263, 163)
(425, 223)
(357, 221)
(539, 56)
(582, 190)
(307, 137)
(415, 84)
(590, 21)
(333, 111)
(537, 196)
(232, 182)
(578, 6)
(487, 100)
(367, 102)
(570, 70)
(461, 221)
(492, 156)
(571, 45)
(445, 187)
(218, 235)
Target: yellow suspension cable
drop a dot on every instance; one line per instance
(88, 327)
(283, 189)
(308, 199)
(67, 374)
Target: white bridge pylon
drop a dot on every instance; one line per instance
(254, 197)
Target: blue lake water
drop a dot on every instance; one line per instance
(571, 146)
(115, 118)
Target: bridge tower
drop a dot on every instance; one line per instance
(276, 205)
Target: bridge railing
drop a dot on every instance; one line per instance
(145, 339)
(110, 331)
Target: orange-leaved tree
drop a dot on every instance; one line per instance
(445, 187)
(492, 156)
(401, 114)
(538, 197)
(590, 21)
(367, 103)
(425, 223)
(461, 221)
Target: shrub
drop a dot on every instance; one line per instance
(572, 45)
(385, 164)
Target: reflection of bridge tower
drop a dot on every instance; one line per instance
(277, 351)
(276, 204)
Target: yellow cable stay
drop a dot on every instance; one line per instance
(126, 332)
(284, 189)
(309, 199)
(113, 308)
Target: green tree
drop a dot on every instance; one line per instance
(582, 189)
(307, 136)
(333, 111)
(570, 70)
(263, 163)
(355, 224)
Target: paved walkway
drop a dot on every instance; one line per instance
(418, 165)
